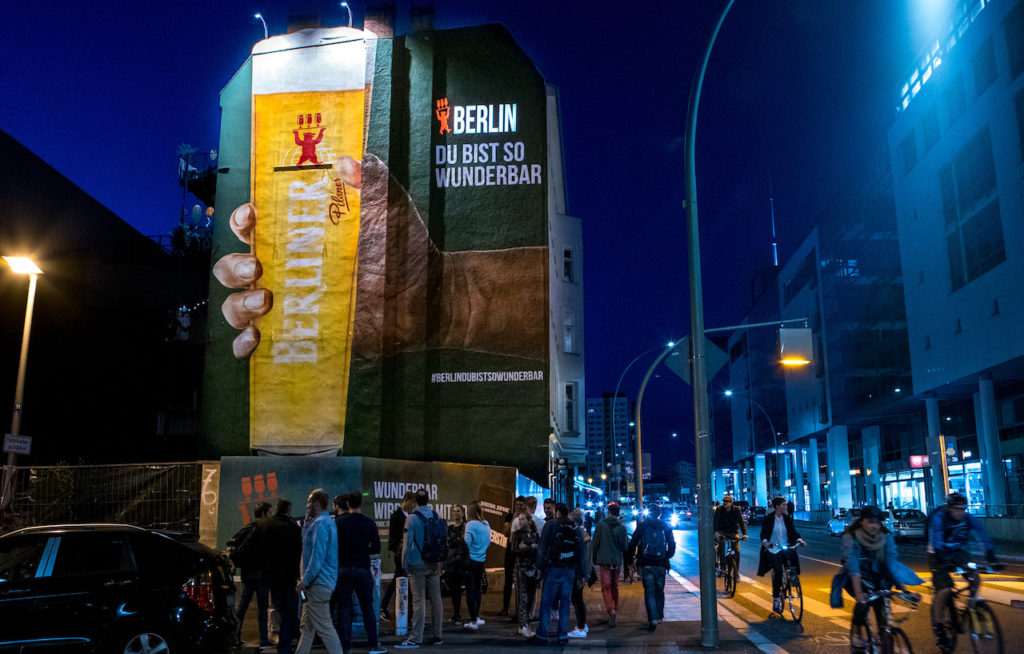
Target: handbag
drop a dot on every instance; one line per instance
(835, 597)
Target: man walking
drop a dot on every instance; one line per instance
(357, 541)
(424, 568)
(518, 506)
(246, 553)
(609, 545)
(652, 546)
(396, 529)
(319, 575)
(281, 541)
(560, 556)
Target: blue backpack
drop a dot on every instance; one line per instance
(653, 545)
(435, 538)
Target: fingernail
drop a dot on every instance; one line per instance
(253, 301)
(246, 268)
(236, 217)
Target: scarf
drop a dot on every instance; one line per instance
(870, 543)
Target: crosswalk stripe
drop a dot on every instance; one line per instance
(821, 609)
(739, 610)
(758, 599)
(757, 638)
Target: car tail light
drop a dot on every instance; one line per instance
(200, 590)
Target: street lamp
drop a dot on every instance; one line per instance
(730, 393)
(346, 7)
(259, 17)
(22, 266)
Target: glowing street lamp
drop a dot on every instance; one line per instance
(21, 266)
(346, 7)
(258, 16)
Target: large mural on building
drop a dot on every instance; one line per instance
(383, 274)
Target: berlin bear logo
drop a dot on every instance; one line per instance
(442, 112)
(308, 142)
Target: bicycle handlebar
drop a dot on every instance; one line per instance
(975, 567)
(905, 596)
(781, 548)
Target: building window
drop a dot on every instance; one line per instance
(908, 152)
(953, 99)
(568, 331)
(984, 64)
(1019, 106)
(930, 127)
(571, 391)
(1014, 28)
(567, 266)
(974, 230)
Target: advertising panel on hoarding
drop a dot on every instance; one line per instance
(247, 481)
(393, 251)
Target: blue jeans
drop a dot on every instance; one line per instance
(286, 601)
(359, 581)
(557, 588)
(262, 592)
(653, 578)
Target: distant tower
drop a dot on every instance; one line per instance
(771, 206)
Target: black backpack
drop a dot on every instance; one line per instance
(435, 538)
(653, 545)
(242, 549)
(567, 539)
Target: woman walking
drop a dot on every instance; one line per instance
(478, 538)
(458, 559)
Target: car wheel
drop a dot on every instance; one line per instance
(146, 640)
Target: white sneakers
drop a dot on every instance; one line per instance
(526, 632)
(469, 624)
(579, 632)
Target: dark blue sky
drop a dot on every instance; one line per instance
(803, 91)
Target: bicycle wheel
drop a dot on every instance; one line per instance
(728, 579)
(795, 598)
(735, 575)
(986, 636)
(861, 641)
(895, 641)
(949, 624)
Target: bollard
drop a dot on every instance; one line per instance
(402, 606)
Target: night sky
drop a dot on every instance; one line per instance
(797, 92)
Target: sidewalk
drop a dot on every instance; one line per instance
(680, 632)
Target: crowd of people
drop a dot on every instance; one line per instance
(307, 574)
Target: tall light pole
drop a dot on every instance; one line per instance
(259, 17)
(349, 10)
(639, 403)
(705, 527)
(23, 266)
(615, 399)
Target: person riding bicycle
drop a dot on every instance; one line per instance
(728, 524)
(949, 530)
(778, 530)
(872, 560)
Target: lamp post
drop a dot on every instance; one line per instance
(639, 403)
(349, 10)
(23, 266)
(259, 17)
(705, 527)
(766, 416)
(615, 400)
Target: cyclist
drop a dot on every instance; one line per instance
(871, 557)
(778, 529)
(949, 530)
(729, 523)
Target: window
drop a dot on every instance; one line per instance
(974, 230)
(1014, 28)
(567, 266)
(908, 152)
(83, 554)
(805, 275)
(568, 331)
(19, 557)
(570, 405)
(930, 127)
(953, 99)
(1019, 106)
(984, 64)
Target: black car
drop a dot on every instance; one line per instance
(112, 588)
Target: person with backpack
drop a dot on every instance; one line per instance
(560, 555)
(281, 542)
(524, 544)
(478, 537)
(948, 534)
(609, 546)
(425, 547)
(652, 547)
(246, 554)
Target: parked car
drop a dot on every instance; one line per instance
(840, 522)
(756, 517)
(113, 588)
(908, 523)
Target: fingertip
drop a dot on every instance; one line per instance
(349, 170)
(246, 342)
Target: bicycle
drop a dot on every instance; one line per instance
(886, 638)
(730, 565)
(789, 588)
(967, 613)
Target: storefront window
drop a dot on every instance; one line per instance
(966, 479)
